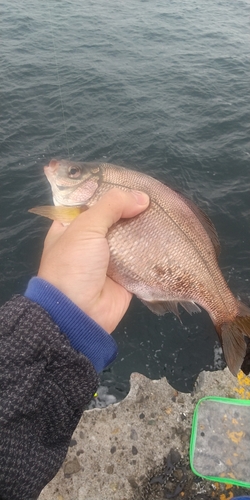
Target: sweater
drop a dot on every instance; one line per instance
(48, 375)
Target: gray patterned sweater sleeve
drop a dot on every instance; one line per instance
(44, 387)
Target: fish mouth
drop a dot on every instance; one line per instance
(50, 169)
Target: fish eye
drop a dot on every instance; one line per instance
(74, 172)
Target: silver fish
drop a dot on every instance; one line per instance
(165, 256)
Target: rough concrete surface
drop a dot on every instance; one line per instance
(122, 452)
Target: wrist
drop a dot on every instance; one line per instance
(84, 334)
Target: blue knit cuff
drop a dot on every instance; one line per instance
(84, 334)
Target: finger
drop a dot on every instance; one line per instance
(114, 205)
(54, 233)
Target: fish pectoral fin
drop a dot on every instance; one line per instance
(190, 307)
(161, 307)
(65, 215)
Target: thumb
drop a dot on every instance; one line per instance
(114, 205)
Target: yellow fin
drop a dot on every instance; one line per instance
(65, 215)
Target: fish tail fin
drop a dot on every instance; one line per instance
(232, 335)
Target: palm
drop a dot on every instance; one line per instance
(94, 292)
(75, 259)
(114, 302)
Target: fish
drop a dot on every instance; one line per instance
(167, 256)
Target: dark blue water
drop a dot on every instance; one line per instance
(159, 86)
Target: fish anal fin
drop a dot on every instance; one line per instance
(65, 215)
(190, 307)
(206, 223)
(161, 307)
(243, 310)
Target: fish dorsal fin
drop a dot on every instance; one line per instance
(205, 221)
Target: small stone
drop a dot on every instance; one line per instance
(141, 416)
(151, 422)
(113, 487)
(113, 449)
(71, 467)
(110, 469)
(133, 435)
(116, 430)
(132, 482)
(72, 443)
(134, 450)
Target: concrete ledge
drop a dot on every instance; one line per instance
(116, 451)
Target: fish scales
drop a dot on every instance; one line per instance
(166, 255)
(180, 245)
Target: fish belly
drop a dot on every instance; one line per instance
(152, 258)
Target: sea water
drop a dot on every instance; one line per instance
(162, 87)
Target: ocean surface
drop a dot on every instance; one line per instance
(159, 86)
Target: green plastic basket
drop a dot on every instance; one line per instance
(220, 440)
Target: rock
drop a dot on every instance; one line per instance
(128, 443)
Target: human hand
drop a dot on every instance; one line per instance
(75, 258)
